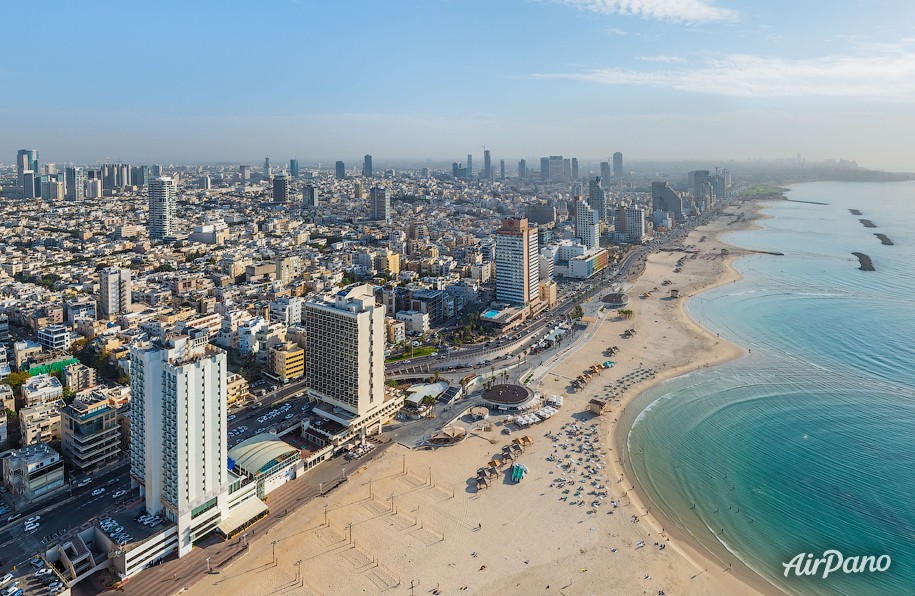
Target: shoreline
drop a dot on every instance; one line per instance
(418, 519)
(693, 551)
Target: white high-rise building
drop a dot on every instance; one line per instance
(178, 451)
(381, 204)
(161, 207)
(587, 225)
(630, 224)
(345, 354)
(517, 265)
(114, 291)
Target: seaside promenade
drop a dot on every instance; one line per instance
(430, 528)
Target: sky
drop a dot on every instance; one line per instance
(235, 80)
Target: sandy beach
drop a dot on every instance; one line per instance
(573, 525)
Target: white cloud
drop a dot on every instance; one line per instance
(690, 11)
(884, 72)
(662, 59)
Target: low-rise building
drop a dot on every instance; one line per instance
(236, 388)
(414, 321)
(41, 389)
(40, 423)
(33, 471)
(79, 376)
(54, 338)
(7, 398)
(288, 361)
(396, 331)
(90, 436)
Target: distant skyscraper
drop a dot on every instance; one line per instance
(267, 167)
(244, 172)
(381, 204)
(29, 182)
(596, 198)
(367, 166)
(309, 197)
(155, 171)
(544, 169)
(52, 187)
(574, 169)
(345, 355)
(587, 225)
(93, 188)
(517, 264)
(115, 175)
(340, 170)
(501, 169)
(140, 176)
(567, 170)
(605, 173)
(26, 159)
(665, 198)
(522, 169)
(115, 289)
(76, 183)
(555, 168)
(294, 168)
(161, 207)
(487, 165)
(617, 165)
(280, 188)
(469, 166)
(178, 441)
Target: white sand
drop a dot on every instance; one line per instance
(512, 538)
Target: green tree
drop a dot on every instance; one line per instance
(15, 380)
(576, 312)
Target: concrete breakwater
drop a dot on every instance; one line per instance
(884, 239)
(865, 262)
(867, 223)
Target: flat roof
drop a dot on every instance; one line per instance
(242, 514)
(508, 395)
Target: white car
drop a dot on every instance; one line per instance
(6, 578)
(33, 519)
(84, 482)
(98, 491)
(231, 417)
(119, 493)
(31, 527)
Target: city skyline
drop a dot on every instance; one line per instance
(657, 79)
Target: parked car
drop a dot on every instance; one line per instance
(84, 482)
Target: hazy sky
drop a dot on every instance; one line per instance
(234, 80)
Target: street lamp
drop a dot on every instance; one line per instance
(208, 565)
(274, 552)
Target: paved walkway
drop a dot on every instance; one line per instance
(176, 574)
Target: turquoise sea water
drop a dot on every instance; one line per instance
(808, 443)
